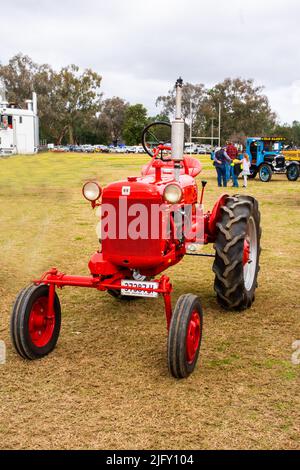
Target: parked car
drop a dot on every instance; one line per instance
(60, 149)
(139, 149)
(100, 148)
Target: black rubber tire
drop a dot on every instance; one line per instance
(268, 169)
(178, 365)
(229, 245)
(19, 323)
(293, 172)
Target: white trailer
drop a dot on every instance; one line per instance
(19, 128)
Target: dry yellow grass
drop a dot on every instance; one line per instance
(106, 385)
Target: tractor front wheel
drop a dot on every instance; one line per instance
(185, 336)
(237, 246)
(34, 330)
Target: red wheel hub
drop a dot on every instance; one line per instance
(41, 325)
(246, 254)
(193, 337)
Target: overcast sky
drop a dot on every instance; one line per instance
(140, 47)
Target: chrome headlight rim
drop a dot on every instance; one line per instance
(172, 193)
(91, 191)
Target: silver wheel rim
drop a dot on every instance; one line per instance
(250, 266)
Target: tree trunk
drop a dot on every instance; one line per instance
(61, 135)
(71, 134)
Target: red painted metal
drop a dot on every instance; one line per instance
(41, 322)
(246, 253)
(193, 336)
(120, 255)
(54, 278)
(213, 218)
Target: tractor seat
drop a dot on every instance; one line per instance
(193, 165)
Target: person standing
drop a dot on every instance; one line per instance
(220, 161)
(232, 152)
(236, 170)
(246, 168)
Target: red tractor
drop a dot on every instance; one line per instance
(149, 223)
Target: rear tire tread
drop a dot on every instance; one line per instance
(228, 264)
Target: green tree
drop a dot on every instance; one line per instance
(76, 98)
(134, 123)
(65, 98)
(194, 106)
(245, 110)
(291, 133)
(112, 117)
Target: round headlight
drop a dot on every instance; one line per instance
(172, 194)
(91, 191)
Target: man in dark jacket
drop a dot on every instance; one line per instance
(220, 160)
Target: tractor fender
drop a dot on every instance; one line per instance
(215, 215)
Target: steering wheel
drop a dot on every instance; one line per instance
(156, 133)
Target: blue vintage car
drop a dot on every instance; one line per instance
(266, 158)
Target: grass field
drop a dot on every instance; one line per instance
(106, 386)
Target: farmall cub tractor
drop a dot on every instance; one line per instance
(132, 256)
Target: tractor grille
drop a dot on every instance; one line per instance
(120, 247)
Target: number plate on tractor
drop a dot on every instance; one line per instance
(130, 288)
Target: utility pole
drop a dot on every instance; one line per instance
(219, 138)
(212, 131)
(191, 126)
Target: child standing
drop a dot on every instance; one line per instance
(246, 168)
(236, 170)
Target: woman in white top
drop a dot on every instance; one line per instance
(246, 168)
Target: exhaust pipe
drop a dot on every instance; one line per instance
(177, 139)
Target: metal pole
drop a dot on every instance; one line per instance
(178, 113)
(219, 124)
(177, 137)
(212, 131)
(191, 125)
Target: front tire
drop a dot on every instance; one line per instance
(292, 172)
(185, 336)
(237, 245)
(265, 173)
(34, 333)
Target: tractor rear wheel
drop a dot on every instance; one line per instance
(237, 246)
(34, 332)
(293, 172)
(185, 336)
(265, 173)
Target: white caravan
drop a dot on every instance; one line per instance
(19, 128)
